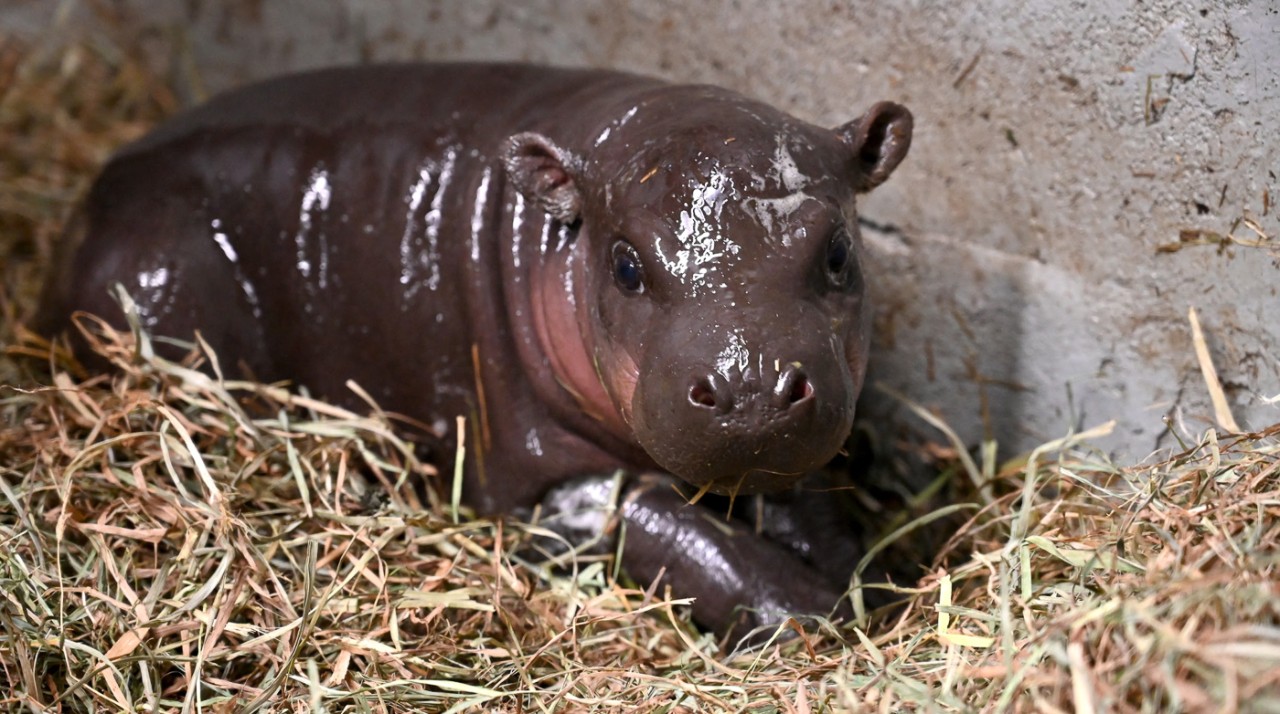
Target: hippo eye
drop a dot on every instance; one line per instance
(840, 259)
(628, 272)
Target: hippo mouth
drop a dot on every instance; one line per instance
(751, 482)
(714, 479)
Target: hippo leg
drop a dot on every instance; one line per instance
(739, 580)
(145, 244)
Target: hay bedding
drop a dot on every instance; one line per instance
(174, 542)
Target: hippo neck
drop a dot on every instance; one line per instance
(543, 296)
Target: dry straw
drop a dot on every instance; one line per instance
(170, 541)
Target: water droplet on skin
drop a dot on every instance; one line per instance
(420, 242)
(517, 225)
(532, 443)
(702, 235)
(225, 245)
(315, 201)
(477, 215)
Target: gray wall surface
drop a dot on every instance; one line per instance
(1019, 284)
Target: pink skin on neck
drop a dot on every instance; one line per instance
(562, 324)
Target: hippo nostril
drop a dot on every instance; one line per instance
(800, 390)
(702, 394)
(794, 386)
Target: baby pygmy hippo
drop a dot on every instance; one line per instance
(600, 271)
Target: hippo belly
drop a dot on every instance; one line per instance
(599, 272)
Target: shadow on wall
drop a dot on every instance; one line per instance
(957, 353)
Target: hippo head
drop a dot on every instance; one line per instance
(715, 277)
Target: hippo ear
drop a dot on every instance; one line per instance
(879, 140)
(544, 174)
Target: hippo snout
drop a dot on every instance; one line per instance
(749, 428)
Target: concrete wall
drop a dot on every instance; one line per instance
(1018, 278)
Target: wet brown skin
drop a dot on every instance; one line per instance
(638, 276)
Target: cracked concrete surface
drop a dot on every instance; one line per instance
(1021, 287)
